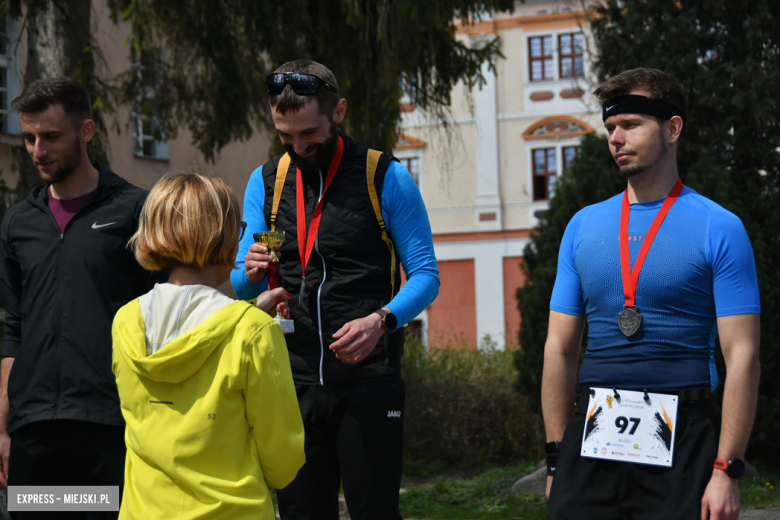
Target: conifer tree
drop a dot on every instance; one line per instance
(592, 178)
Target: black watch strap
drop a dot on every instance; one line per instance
(551, 448)
(389, 321)
(552, 462)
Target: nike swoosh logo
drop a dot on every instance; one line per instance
(610, 108)
(98, 226)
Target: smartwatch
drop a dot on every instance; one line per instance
(551, 448)
(389, 321)
(734, 468)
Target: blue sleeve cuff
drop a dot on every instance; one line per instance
(733, 311)
(566, 309)
(245, 289)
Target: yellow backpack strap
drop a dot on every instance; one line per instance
(372, 161)
(281, 176)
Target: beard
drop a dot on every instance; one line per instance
(70, 162)
(631, 170)
(320, 159)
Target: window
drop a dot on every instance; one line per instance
(569, 153)
(146, 131)
(413, 165)
(406, 86)
(545, 173)
(3, 37)
(4, 98)
(570, 48)
(541, 58)
(145, 143)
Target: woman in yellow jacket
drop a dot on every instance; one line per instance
(204, 380)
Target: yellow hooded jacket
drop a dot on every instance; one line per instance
(212, 416)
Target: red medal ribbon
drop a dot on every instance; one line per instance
(631, 276)
(306, 240)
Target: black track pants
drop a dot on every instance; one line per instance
(353, 434)
(63, 452)
(585, 488)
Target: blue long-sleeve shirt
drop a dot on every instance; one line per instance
(407, 223)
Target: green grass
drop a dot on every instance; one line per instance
(485, 496)
(759, 491)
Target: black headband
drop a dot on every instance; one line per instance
(631, 104)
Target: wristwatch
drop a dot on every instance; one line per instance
(551, 456)
(389, 321)
(734, 468)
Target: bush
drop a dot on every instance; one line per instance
(461, 408)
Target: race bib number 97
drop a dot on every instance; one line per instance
(630, 428)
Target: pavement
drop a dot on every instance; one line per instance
(760, 513)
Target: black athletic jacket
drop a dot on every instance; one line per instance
(350, 274)
(61, 291)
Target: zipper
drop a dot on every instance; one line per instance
(57, 378)
(61, 296)
(319, 290)
(59, 321)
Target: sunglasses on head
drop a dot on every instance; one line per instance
(302, 84)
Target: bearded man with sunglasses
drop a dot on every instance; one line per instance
(351, 216)
(658, 272)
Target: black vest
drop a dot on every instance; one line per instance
(350, 273)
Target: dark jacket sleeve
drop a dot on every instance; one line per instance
(10, 291)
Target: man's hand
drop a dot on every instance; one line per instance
(5, 441)
(356, 339)
(549, 485)
(256, 262)
(5, 450)
(270, 301)
(721, 498)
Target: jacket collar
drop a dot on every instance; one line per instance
(349, 143)
(108, 183)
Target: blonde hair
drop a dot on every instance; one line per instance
(188, 220)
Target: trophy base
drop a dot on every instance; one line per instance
(288, 326)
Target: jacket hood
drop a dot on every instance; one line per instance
(182, 356)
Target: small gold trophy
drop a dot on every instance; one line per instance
(274, 240)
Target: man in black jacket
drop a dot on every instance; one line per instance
(64, 271)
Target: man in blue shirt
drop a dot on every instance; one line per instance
(658, 272)
(351, 217)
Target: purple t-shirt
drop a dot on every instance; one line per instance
(63, 210)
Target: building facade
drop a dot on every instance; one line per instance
(132, 151)
(486, 177)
